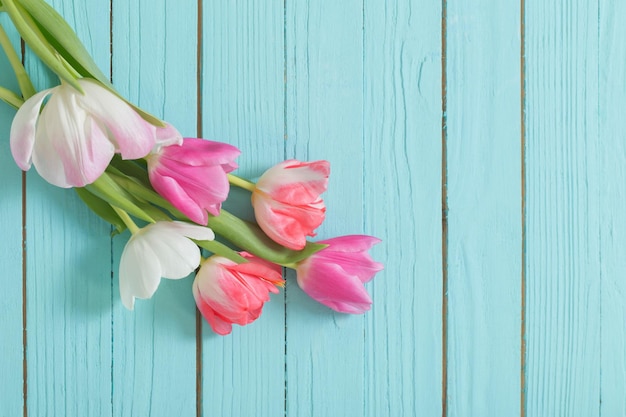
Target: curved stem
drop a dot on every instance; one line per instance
(126, 219)
(241, 183)
(10, 98)
(26, 86)
(220, 249)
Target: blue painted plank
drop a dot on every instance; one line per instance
(242, 104)
(564, 186)
(11, 347)
(154, 346)
(612, 171)
(484, 197)
(68, 271)
(402, 205)
(324, 45)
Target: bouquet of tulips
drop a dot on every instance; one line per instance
(138, 173)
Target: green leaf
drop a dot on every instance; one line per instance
(249, 237)
(101, 208)
(26, 86)
(37, 42)
(108, 190)
(65, 41)
(63, 38)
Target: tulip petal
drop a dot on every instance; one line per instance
(168, 136)
(178, 256)
(330, 285)
(227, 292)
(193, 176)
(285, 224)
(199, 152)
(296, 182)
(219, 325)
(192, 231)
(133, 137)
(162, 249)
(140, 271)
(179, 198)
(23, 129)
(335, 275)
(71, 150)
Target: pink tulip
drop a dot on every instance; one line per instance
(335, 275)
(192, 176)
(227, 292)
(287, 203)
(73, 139)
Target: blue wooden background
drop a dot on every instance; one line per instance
(483, 141)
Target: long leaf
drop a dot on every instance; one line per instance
(63, 38)
(108, 190)
(37, 41)
(249, 237)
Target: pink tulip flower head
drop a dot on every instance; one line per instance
(73, 139)
(160, 250)
(335, 275)
(227, 292)
(192, 176)
(287, 203)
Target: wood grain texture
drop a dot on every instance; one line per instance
(484, 200)
(358, 83)
(612, 177)
(402, 205)
(324, 102)
(11, 346)
(242, 104)
(68, 269)
(154, 346)
(563, 202)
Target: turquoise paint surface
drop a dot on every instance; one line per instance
(459, 134)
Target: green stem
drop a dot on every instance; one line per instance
(26, 86)
(10, 98)
(220, 249)
(241, 183)
(126, 219)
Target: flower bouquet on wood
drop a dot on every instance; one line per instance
(137, 172)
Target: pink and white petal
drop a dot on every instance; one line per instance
(47, 162)
(351, 243)
(199, 152)
(22, 137)
(360, 264)
(140, 272)
(167, 136)
(70, 150)
(132, 136)
(219, 325)
(276, 222)
(331, 286)
(296, 182)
